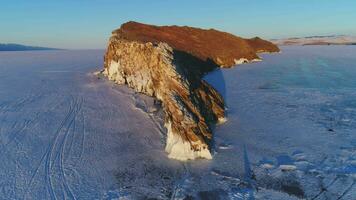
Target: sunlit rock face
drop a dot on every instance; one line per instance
(168, 63)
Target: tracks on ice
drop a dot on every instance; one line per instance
(53, 160)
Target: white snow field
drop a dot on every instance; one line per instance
(67, 134)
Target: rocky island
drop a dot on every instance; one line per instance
(168, 63)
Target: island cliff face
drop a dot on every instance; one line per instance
(168, 63)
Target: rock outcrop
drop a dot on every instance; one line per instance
(262, 46)
(168, 63)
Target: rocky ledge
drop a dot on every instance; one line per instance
(168, 63)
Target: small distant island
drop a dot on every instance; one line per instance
(20, 47)
(318, 40)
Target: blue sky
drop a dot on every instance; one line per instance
(82, 24)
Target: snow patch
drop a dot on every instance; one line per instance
(179, 149)
(256, 60)
(240, 61)
(245, 60)
(97, 73)
(225, 146)
(222, 120)
(267, 166)
(287, 167)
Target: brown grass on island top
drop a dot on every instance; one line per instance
(221, 47)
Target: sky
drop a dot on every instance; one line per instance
(87, 24)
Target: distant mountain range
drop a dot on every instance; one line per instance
(20, 47)
(318, 40)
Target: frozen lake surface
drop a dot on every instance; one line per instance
(290, 134)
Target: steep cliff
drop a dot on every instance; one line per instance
(168, 63)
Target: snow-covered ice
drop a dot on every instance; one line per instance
(294, 115)
(66, 133)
